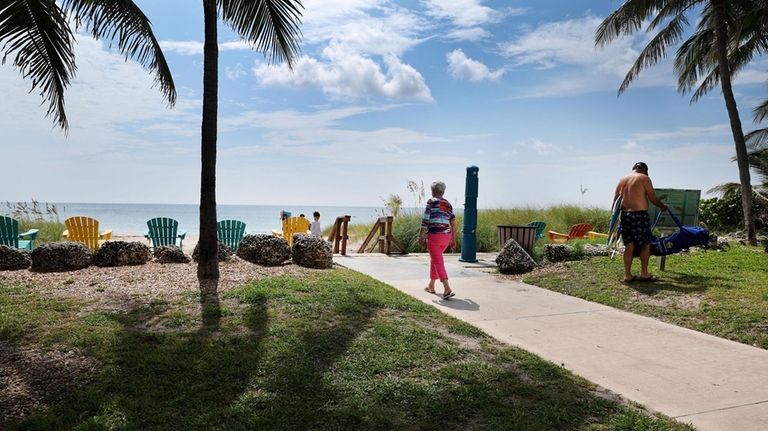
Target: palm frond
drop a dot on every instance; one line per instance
(123, 22)
(271, 26)
(625, 20)
(761, 111)
(725, 189)
(695, 58)
(738, 58)
(656, 49)
(757, 139)
(37, 34)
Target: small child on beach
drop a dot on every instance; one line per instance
(314, 227)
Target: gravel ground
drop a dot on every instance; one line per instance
(143, 283)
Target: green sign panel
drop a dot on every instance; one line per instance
(684, 203)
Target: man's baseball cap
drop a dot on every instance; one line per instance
(640, 165)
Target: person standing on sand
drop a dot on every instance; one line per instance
(314, 227)
(438, 227)
(636, 190)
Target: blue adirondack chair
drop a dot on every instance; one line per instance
(230, 232)
(540, 225)
(164, 231)
(10, 236)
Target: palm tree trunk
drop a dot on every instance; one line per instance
(208, 264)
(742, 159)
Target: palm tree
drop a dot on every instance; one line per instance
(671, 18)
(758, 161)
(271, 26)
(38, 35)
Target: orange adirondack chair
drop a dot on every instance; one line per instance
(85, 230)
(577, 231)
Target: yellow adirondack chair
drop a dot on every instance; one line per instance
(85, 230)
(291, 226)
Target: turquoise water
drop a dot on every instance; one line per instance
(131, 219)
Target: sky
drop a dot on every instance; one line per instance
(384, 92)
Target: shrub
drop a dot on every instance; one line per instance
(725, 214)
(36, 215)
(406, 227)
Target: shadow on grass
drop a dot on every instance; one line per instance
(679, 282)
(344, 360)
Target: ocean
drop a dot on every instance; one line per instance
(131, 219)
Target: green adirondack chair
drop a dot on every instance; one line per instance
(230, 232)
(164, 231)
(10, 236)
(540, 225)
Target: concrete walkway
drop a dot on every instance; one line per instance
(713, 383)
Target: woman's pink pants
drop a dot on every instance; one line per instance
(436, 244)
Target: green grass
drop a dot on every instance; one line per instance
(335, 350)
(49, 230)
(558, 218)
(720, 293)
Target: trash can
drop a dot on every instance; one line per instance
(524, 235)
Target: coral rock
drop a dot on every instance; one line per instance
(12, 259)
(61, 256)
(264, 249)
(312, 252)
(513, 259)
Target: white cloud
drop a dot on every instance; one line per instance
(321, 135)
(365, 26)
(631, 145)
(235, 72)
(472, 34)
(193, 47)
(570, 42)
(537, 145)
(462, 67)
(684, 133)
(348, 74)
(463, 13)
(468, 17)
(568, 48)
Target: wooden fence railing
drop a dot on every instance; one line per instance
(382, 233)
(338, 236)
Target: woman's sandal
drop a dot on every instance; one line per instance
(426, 289)
(448, 295)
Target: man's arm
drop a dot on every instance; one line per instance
(652, 195)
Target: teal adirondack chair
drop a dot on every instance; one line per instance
(10, 236)
(164, 231)
(540, 225)
(230, 232)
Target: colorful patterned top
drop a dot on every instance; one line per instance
(437, 216)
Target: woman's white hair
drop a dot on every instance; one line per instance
(438, 188)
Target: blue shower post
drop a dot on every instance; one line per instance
(469, 234)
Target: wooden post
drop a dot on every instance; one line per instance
(339, 234)
(382, 233)
(344, 236)
(382, 230)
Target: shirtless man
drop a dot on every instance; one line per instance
(636, 190)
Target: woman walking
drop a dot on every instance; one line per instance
(438, 226)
